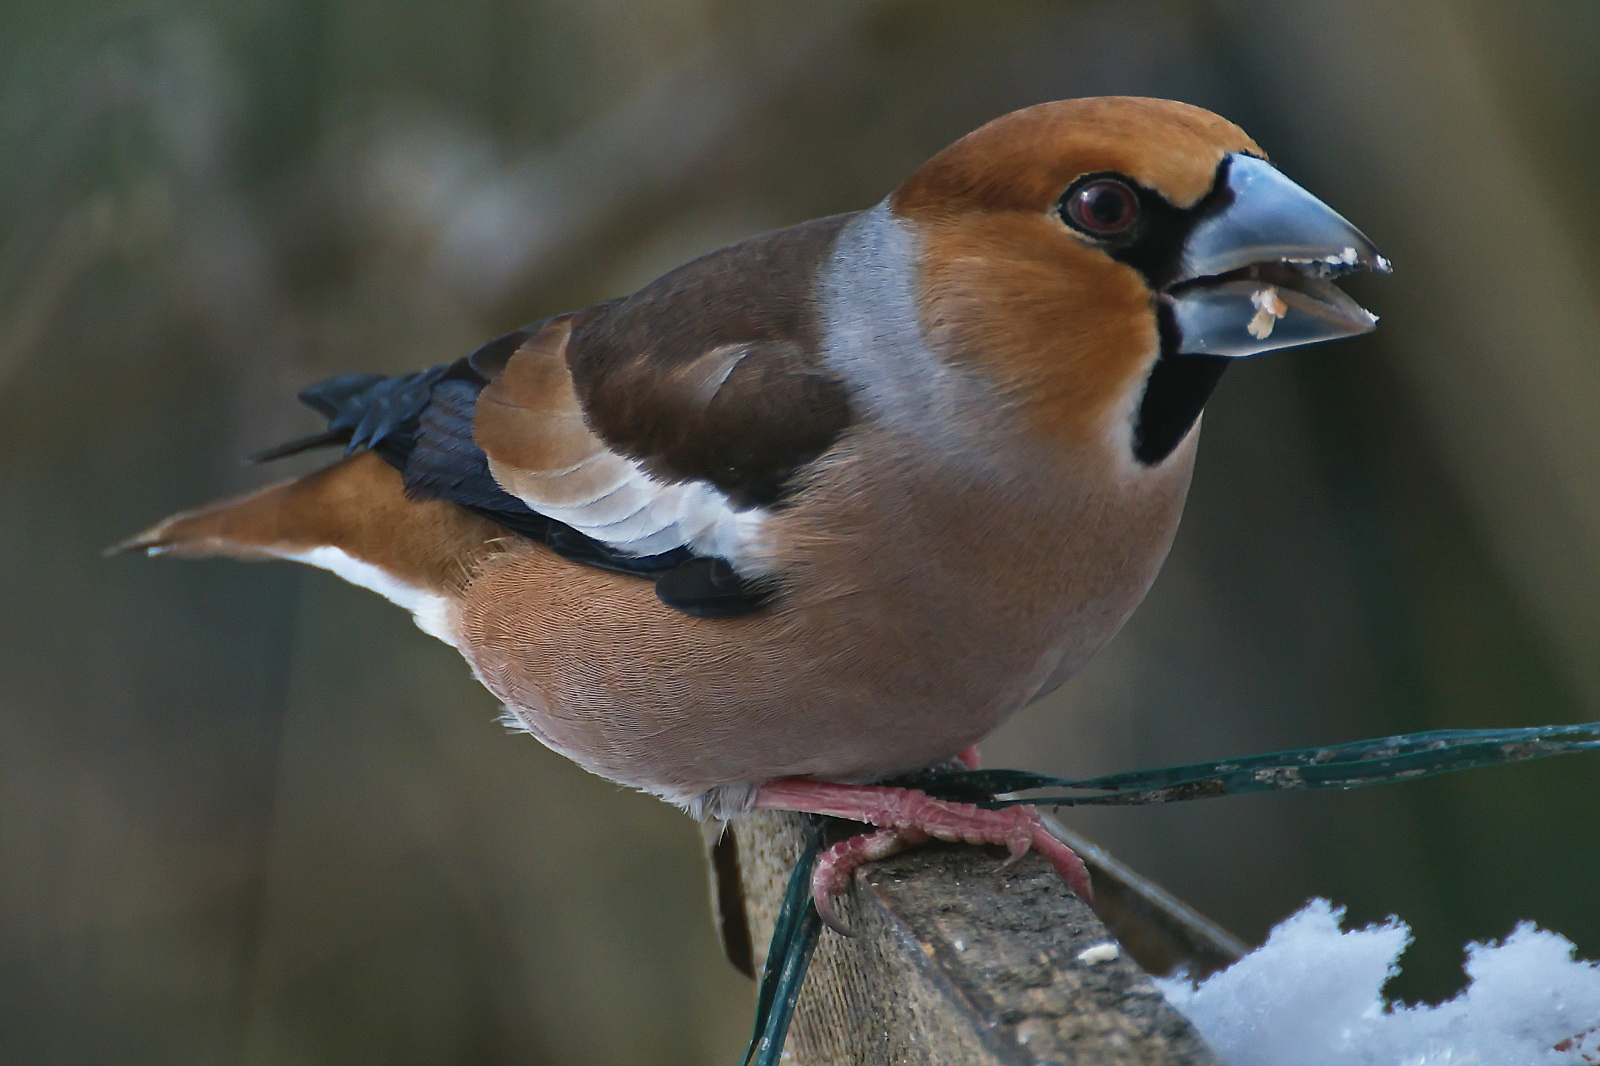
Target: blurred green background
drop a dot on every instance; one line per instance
(250, 815)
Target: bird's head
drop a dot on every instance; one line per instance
(1103, 259)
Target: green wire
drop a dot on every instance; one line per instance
(1387, 760)
(794, 938)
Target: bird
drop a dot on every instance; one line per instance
(828, 505)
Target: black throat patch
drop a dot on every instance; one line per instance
(1174, 395)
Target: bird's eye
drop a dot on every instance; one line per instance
(1103, 207)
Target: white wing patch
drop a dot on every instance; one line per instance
(429, 610)
(610, 498)
(541, 450)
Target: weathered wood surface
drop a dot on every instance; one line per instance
(957, 959)
(1161, 932)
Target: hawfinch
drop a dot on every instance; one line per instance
(829, 504)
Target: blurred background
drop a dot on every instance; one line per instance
(250, 815)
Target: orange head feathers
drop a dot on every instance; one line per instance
(1050, 237)
(1025, 160)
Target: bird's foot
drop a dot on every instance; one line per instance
(906, 817)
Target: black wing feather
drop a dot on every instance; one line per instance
(421, 424)
(710, 588)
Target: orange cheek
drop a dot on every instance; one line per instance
(1065, 331)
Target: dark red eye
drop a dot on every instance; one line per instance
(1103, 207)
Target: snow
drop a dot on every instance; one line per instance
(1311, 996)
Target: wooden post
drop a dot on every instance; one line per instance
(959, 960)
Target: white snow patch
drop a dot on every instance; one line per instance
(1311, 996)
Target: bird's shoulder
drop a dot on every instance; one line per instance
(714, 372)
(674, 419)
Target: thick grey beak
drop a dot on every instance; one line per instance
(1255, 273)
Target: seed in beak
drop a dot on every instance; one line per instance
(1269, 308)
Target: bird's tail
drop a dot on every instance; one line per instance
(352, 517)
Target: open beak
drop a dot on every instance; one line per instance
(1256, 272)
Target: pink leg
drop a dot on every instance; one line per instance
(910, 817)
(971, 757)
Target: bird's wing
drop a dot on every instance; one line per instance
(702, 448)
(674, 418)
(649, 435)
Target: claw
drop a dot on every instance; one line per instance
(1017, 846)
(1065, 861)
(823, 899)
